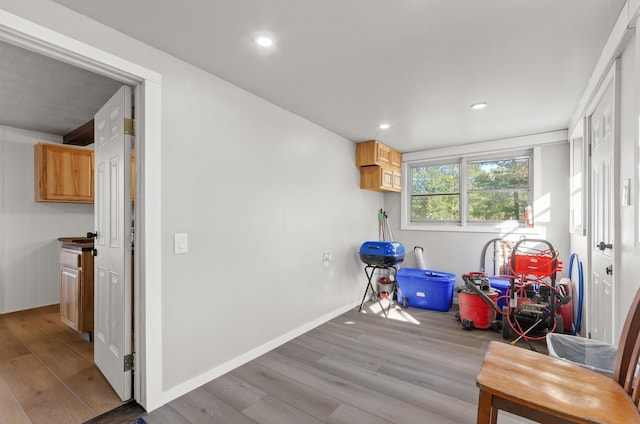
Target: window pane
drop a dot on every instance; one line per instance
(498, 206)
(437, 208)
(436, 179)
(499, 174)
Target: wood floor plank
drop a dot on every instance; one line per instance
(398, 412)
(33, 329)
(55, 354)
(11, 347)
(299, 353)
(269, 410)
(347, 354)
(91, 386)
(42, 396)
(277, 385)
(393, 388)
(349, 414)
(81, 376)
(10, 409)
(434, 378)
(166, 414)
(200, 406)
(234, 391)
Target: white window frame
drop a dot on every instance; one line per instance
(489, 149)
(463, 192)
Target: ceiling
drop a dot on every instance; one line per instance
(350, 65)
(42, 94)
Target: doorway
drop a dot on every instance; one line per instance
(25, 34)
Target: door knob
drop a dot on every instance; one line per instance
(602, 245)
(92, 235)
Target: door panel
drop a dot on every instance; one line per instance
(113, 286)
(602, 282)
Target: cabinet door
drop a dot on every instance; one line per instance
(70, 280)
(63, 174)
(383, 155)
(386, 179)
(396, 159)
(397, 181)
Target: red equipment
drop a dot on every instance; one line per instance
(477, 302)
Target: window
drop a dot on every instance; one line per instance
(471, 190)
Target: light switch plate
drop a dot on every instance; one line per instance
(180, 243)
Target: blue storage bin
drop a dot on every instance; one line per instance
(502, 285)
(427, 289)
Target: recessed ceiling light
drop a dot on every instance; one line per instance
(264, 41)
(478, 106)
(384, 126)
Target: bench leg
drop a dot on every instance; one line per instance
(486, 413)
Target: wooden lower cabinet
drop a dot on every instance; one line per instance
(76, 289)
(379, 178)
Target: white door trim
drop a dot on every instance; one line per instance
(148, 277)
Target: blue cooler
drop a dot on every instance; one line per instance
(381, 253)
(423, 288)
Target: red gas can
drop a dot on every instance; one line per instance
(474, 309)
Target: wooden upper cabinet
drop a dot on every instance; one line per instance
(63, 173)
(375, 153)
(380, 166)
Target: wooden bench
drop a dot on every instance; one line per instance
(549, 390)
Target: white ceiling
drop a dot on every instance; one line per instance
(42, 94)
(418, 65)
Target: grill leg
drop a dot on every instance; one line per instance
(366, 290)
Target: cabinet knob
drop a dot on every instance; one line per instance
(92, 235)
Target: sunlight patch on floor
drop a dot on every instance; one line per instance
(395, 313)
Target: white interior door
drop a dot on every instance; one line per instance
(113, 286)
(602, 288)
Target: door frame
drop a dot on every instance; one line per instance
(147, 273)
(611, 77)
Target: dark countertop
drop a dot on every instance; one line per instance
(76, 243)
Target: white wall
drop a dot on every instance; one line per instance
(628, 276)
(459, 252)
(262, 194)
(29, 249)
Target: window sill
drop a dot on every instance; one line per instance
(503, 230)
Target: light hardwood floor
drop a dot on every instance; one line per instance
(418, 366)
(47, 374)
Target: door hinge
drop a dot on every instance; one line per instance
(128, 362)
(129, 126)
